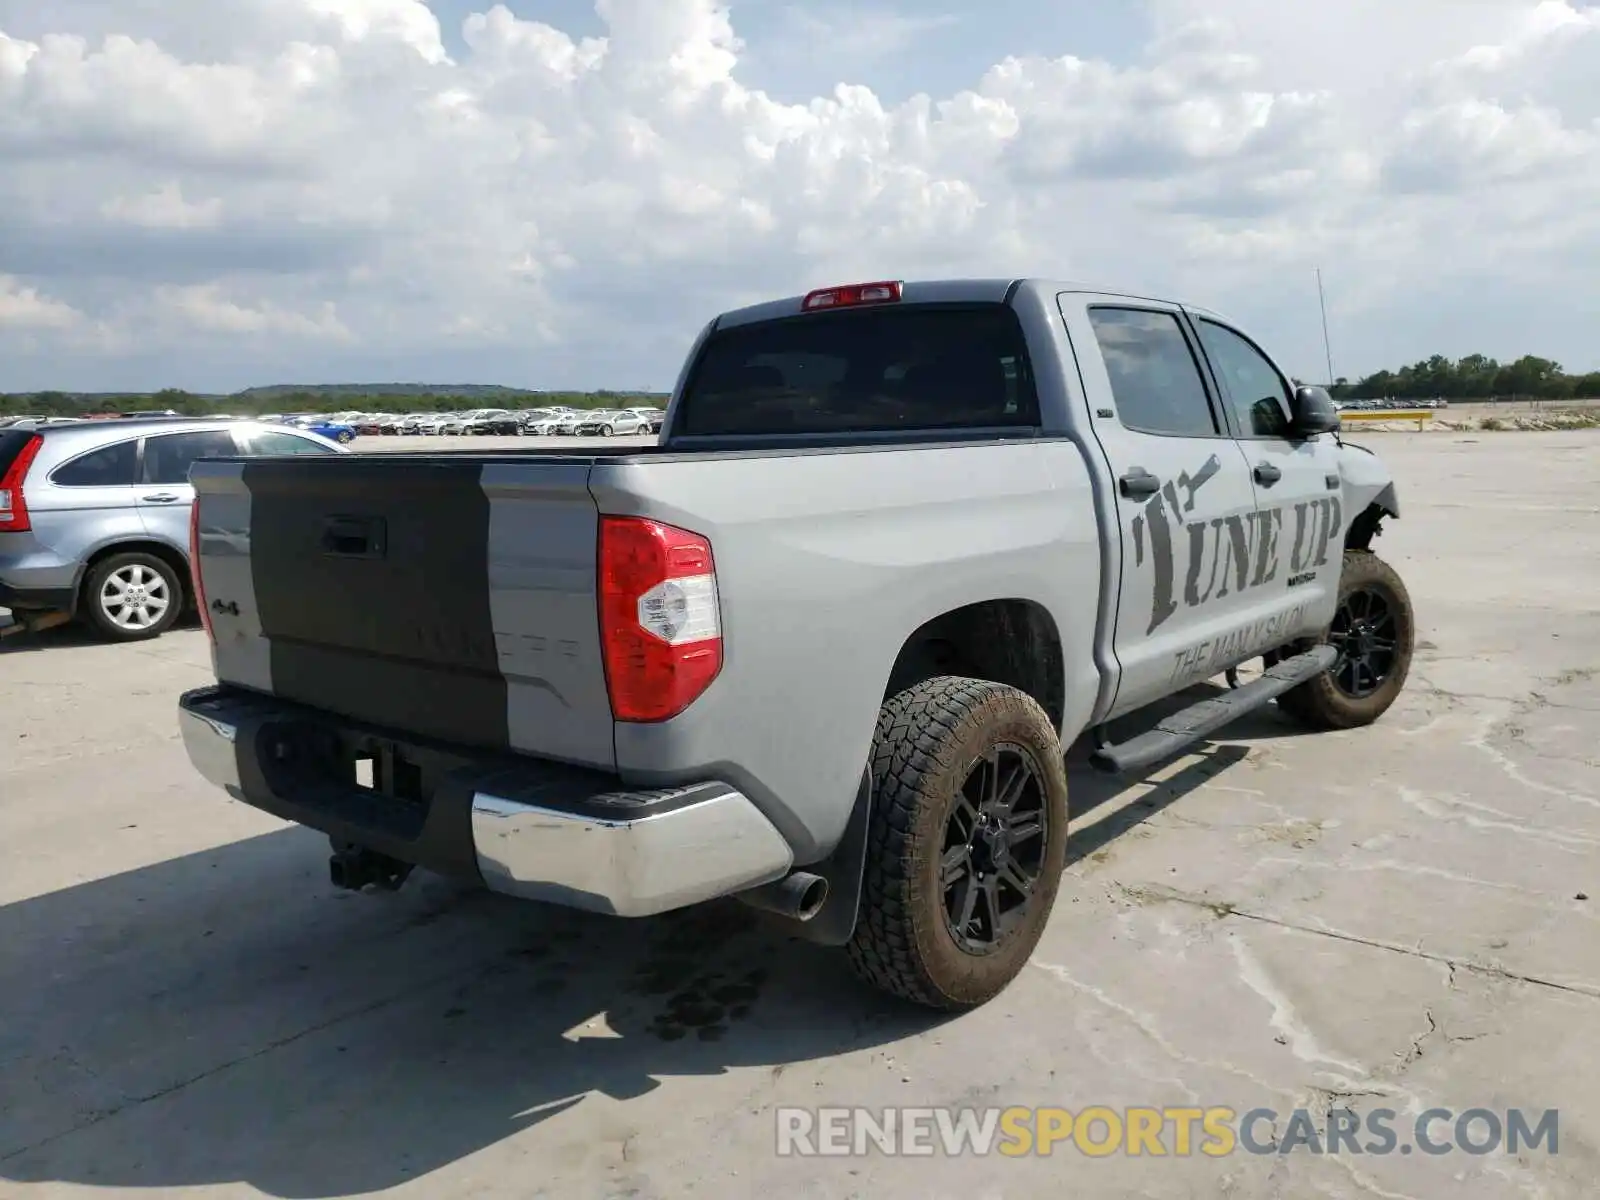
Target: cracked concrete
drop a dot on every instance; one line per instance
(1394, 918)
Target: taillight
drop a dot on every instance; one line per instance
(660, 628)
(852, 295)
(13, 505)
(194, 567)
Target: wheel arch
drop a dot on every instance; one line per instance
(1010, 641)
(1368, 523)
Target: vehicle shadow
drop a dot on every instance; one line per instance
(71, 636)
(228, 1017)
(1088, 789)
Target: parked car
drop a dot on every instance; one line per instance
(994, 516)
(564, 424)
(541, 423)
(485, 421)
(653, 418)
(610, 422)
(94, 516)
(591, 423)
(334, 431)
(433, 424)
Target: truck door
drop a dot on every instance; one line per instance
(1186, 503)
(1297, 481)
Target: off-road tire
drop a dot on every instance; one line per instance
(927, 739)
(1318, 703)
(94, 615)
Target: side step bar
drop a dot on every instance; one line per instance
(1182, 729)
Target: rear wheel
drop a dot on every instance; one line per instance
(966, 845)
(1374, 630)
(132, 596)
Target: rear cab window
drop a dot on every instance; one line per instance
(914, 367)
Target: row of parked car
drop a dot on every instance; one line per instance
(1369, 405)
(502, 422)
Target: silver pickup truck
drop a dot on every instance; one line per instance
(821, 647)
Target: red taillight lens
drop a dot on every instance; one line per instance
(194, 567)
(886, 291)
(660, 625)
(13, 505)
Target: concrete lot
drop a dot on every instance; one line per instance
(1402, 917)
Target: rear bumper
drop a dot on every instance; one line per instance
(20, 596)
(526, 828)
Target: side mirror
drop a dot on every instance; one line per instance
(1314, 412)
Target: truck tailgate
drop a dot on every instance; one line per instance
(454, 600)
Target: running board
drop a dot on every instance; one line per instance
(1182, 729)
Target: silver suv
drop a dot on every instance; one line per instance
(94, 515)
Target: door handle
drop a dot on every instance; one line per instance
(160, 497)
(1138, 483)
(354, 537)
(1266, 474)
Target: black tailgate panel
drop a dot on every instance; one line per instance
(371, 580)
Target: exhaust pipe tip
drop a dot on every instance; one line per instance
(798, 896)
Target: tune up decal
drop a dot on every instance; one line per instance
(1226, 555)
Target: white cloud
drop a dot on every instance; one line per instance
(164, 208)
(294, 186)
(26, 308)
(207, 309)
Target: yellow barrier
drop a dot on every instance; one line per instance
(1420, 415)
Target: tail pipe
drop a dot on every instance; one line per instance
(799, 895)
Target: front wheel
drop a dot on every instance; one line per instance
(346, 437)
(967, 842)
(606, 431)
(1374, 630)
(131, 597)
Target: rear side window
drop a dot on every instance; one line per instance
(917, 367)
(109, 466)
(168, 457)
(267, 442)
(1155, 379)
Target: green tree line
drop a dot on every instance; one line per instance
(256, 402)
(1475, 377)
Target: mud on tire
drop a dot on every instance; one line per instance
(1349, 695)
(946, 755)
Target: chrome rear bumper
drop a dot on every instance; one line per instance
(527, 828)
